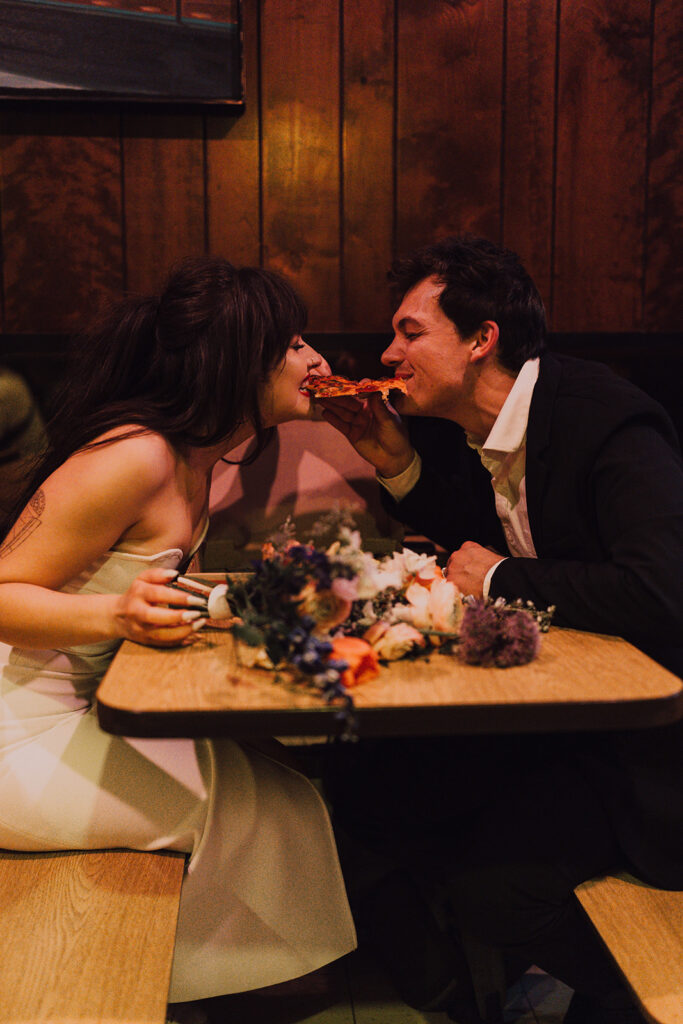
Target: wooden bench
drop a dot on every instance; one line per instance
(642, 928)
(86, 937)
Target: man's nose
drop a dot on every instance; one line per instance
(391, 355)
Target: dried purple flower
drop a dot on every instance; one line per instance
(494, 634)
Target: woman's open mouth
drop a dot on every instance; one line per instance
(304, 382)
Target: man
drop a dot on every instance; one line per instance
(553, 480)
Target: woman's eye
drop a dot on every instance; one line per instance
(297, 346)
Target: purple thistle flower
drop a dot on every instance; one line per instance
(494, 634)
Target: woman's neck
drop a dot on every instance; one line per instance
(203, 460)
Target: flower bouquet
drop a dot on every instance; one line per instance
(330, 614)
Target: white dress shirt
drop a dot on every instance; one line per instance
(503, 453)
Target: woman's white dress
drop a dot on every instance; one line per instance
(263, 898)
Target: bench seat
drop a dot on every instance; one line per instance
(87, 936)
(642, 928)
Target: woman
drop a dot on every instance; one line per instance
(161, 390)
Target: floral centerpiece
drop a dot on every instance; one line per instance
(331, 613)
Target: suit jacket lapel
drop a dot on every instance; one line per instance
(537, 442)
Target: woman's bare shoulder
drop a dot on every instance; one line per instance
(126, 462)
(86, 505)
(134, 447)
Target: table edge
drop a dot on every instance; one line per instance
(437, 719)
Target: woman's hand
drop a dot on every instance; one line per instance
(142, 613)
(374, 430)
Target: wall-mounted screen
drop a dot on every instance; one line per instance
(138, 51)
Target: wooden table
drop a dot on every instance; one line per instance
(578, 681)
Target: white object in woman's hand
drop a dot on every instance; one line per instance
(217, 602)
(151, 613)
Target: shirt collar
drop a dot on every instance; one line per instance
(508, 432)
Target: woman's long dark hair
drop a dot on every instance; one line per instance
(187, 364)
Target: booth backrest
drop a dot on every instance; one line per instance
(308, 470)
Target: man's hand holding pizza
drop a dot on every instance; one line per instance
(374, 430)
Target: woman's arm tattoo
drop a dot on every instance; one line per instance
(28, 521)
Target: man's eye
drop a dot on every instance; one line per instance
(411, 335)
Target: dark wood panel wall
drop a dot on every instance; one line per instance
(372, 126)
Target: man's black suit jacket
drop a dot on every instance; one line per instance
(604, 484)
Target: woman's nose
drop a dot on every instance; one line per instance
(316, 361)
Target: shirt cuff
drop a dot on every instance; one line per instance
(399, 486)
(489, 576)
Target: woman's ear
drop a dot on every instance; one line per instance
(485, 340)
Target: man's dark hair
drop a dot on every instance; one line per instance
(483, 281)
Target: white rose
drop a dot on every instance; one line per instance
(372, 579)
(397, 641)
(388, 577)
(417, 564)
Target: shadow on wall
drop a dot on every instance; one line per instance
(307, 470)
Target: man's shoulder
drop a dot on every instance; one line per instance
(587, 400)
(589, 375)
(594, 385)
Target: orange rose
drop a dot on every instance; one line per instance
(428, 575)
(361, 658)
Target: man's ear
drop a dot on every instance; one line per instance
(485, 340)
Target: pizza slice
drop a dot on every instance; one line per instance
(334, 386)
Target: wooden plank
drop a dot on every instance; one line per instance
(650, 955)
(233, 163)
(664, 247)
(87, 936)
(449, 119)
(529, 136)
(301, 146)
(576, 677)
(600, 179)
(163, 164)
(61, 218)
(368, 160)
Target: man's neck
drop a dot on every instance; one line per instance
(479, 407)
